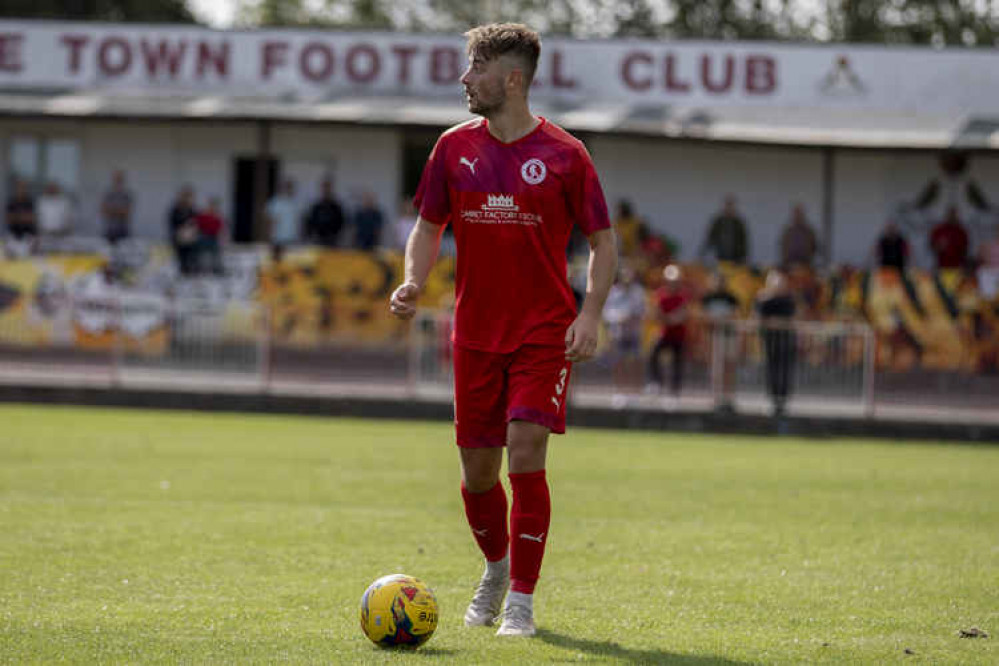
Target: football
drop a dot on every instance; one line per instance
(398, 611)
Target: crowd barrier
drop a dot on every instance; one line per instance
(728, 362)
(316, 299)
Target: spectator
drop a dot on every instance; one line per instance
(184, 231)
(798, 244)
(55, 212)
(949, 242)
(403, 224)
(626, 223)
(892, 248)
(988, 270)
(368, 223)
(210, 228)
(116, 209)
(623, 315)
(21, 221)
(672, 304)
(655, 248)
(720, 307)
(726, 236)
(325, 218)
(283, 216)
(776, 307)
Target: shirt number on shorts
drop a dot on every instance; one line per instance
(560, 388)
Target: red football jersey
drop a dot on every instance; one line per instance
(512, 207)
(670, 303)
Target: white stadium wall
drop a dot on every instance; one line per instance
(158, 160)
(871, 185)
(679, 186)
(160, 157)
(359, 159)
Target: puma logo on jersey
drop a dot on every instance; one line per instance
(531, 537)
(470, 165)
(480, 533)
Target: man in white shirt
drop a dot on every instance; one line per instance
(988, 272)
(54, 211)
(283, 216)
(624, 312)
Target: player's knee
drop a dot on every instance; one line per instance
(480, 481)
(528, 445)
(480, 469)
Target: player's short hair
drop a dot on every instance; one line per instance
(497, 39)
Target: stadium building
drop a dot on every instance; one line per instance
(853, 133)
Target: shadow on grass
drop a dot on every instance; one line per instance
(433, 652)
(611, 649)
(426, 652)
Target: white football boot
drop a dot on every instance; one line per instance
(487, 604)
(518, 620)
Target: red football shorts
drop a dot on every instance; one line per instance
(490, 390)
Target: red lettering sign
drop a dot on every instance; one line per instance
(75, 44)
(628, 74)
(273, 57)
(163, 54)
(444, 67)
(559, 79)
(10, 52)
(316, 61)
(405, 53)
(713, 86)
(761, 75)
(217, 58)
(114, 56)
(363, 63)
(673, 82)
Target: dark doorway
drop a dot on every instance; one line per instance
(243, 228)
(416, 148)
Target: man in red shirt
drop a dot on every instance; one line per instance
(672, 302)
(949, 241)
(210, 226)
(511, 185)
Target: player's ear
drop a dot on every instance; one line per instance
(515, 80)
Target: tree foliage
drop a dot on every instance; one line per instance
(936, 22)
(143, 11)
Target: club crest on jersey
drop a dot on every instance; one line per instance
(533, 171)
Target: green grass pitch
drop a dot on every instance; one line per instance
(167, 537)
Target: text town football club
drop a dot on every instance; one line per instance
(501, 209)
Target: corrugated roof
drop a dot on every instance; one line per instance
(784, 126)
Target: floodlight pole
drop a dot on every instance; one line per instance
(870, 359)
(828, 195)
(260, 232)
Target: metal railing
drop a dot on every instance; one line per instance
(828, 365)
(132, 339)
(139, 341)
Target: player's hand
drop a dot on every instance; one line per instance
(581, 339)
(403, 303)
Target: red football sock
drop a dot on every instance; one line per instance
(486, 514)
(532, 511)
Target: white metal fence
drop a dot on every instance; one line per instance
(827, 365)
(139, 339)
(830, 364)
(823, 368)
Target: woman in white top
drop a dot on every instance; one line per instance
(988, 272)
(54, 211)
